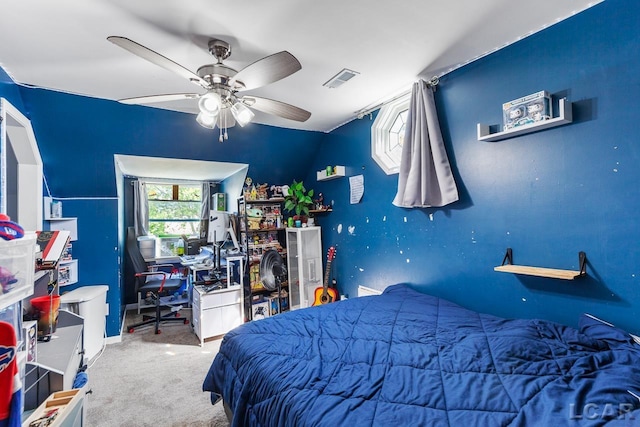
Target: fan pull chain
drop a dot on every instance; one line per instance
(220, 139)
(226, 136)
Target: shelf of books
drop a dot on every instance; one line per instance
(67, 267)
(57, 249)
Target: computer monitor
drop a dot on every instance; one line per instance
(218, 225)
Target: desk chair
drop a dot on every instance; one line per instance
(154, 284)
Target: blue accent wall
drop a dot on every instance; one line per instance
(78, 136)
(547, 195)
(9, 90)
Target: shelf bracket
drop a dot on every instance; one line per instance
(582, 260)
(508, 257)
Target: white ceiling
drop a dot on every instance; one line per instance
(62, 45)
(177, 169)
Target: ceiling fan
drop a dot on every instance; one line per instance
(221, 104)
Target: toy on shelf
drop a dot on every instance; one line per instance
(254, 217)
(279, 191)
(261, 192)
(319, 203)
(528, 109)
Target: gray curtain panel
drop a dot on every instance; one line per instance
(141, 208)
(425, 178)
(204, 209)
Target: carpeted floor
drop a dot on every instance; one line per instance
(153, 380)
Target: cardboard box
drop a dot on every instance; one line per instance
(526, 110)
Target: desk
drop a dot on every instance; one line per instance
(163, 260)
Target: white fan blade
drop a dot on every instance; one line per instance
(157, 59)
(276, 108)
(267, 70)
(152, 99)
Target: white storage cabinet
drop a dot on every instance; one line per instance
(216, 312)
(304, 259)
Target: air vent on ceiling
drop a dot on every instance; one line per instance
(340, 78)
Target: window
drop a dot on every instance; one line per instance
(174, 209)
(387, 134)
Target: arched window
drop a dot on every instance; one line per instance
(387, 134)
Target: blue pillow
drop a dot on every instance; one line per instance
(599, 329)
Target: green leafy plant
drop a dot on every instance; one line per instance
(298, 199)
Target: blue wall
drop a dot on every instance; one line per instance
(78, 137)
(548, 195)
(9, 90)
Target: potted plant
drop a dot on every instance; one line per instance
(298, 200)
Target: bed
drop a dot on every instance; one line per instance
(406, 358)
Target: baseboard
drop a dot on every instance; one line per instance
(364, 291)
(113, 340)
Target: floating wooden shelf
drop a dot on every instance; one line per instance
(552, 273)
(565, 116)
(338, 172)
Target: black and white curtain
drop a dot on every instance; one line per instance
(204, 210)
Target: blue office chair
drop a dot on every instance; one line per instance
(153, 283)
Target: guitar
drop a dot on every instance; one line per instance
(325, 294)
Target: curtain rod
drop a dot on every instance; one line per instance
(434, 81)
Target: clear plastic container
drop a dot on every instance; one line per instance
(17, 267)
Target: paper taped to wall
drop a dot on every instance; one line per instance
(356, 184)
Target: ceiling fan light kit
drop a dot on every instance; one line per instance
(210, 103)
(206, 120)
(241, 113)
(221, 105)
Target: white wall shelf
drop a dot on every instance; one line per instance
(67, 272)
(338, 172)
(70, 224)
(67, 268)
(48, 208)
(565, 116)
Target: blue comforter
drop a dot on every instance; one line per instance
(408, 359)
